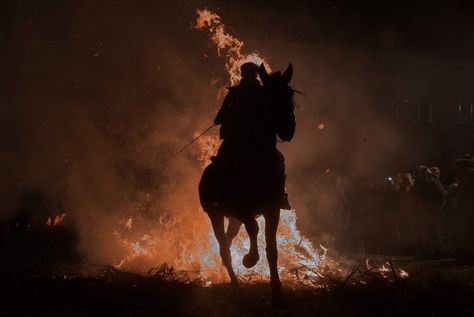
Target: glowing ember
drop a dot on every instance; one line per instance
(56, 220)
(402, 273)
(386, 270)
(129, 223)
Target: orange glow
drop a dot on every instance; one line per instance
(386, 269)
(129, 223)
(188, 243)
(296, 252)
(227, 44)
(56, 220)
(199, 251)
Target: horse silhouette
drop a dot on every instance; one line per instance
(250, 181)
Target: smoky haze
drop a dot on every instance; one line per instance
(97, 97)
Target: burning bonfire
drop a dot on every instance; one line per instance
(198, 254)
(298, 258)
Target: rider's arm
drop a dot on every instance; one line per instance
(223, 111)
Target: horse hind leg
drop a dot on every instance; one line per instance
(251, 258)
(217, 221)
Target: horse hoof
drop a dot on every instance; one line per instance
(234, 283)
(250, 260)
(278, 300)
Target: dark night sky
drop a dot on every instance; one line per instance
(44, 36)
(435, 28)
(441, 28)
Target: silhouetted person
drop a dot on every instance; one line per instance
(430, 197)
(249, 134)
(242, 117)
(463, 166)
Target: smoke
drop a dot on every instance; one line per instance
(98, 98)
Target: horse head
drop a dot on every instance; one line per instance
(280, 95)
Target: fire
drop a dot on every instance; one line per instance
(208, 147)
(227, 43)
(200, 252)
(129, 223)
(296, 252)
(386, 269)
(402, 273)
(189, 244)
(56, 220)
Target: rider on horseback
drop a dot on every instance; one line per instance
(249, 141)
(247, 177)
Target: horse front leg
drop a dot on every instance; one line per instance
(232, 230)
(251, 258)
(271, 225)
(217, 221)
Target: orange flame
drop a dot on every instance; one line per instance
(189, 244)
(386, 269)
(228, 43)
(200, 252)
(56, 220)
(295, 250)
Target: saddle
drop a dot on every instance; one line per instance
(238, 185)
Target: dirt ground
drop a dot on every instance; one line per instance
(51, 280)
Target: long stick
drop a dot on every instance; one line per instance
(194, 140)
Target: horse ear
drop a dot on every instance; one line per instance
(262, 72)
(286, 77)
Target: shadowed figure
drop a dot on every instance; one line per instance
(247, 177)
(429, 199)
(463, 166)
